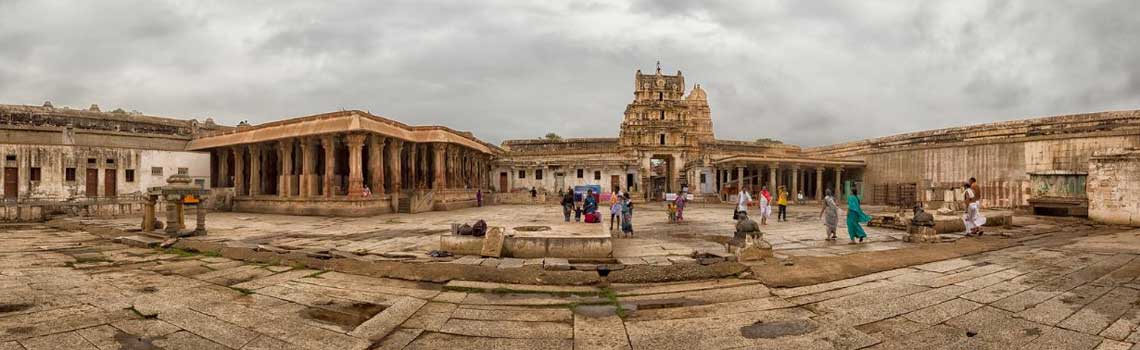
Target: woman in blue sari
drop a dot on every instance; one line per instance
(855, 216)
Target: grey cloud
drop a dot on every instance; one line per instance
(807, 73)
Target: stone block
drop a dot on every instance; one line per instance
(493, 242)
(556, 264)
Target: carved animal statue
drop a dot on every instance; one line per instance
(746, 227)
(921, 217)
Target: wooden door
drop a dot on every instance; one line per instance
(11, 182)
(92, 182)
(503, 183)
(109, 181)
(615, 182)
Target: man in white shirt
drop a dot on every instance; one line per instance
(742, 200)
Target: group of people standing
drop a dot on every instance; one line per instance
(829, 213)
(621, 208)
(744, 198)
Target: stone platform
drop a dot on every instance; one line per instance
(561, 240)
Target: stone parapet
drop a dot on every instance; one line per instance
(1113, 186)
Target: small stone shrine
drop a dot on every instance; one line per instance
(178, 192)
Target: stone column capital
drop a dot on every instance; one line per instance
(439, 146)
(355, 140)
(285, 144)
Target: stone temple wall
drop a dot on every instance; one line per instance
(1114, 187)
(1000, 155)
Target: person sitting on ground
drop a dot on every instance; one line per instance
(589, 204)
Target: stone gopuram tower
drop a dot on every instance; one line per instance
(665, 129)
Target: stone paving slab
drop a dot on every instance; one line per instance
(433, 341)
(527, 315)
(528, 288)
(600, 333)
(388, 320)
(509, 329)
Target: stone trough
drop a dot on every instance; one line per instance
(568, 240)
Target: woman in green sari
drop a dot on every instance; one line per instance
(855, 216)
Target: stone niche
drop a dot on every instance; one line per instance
(1114, 186)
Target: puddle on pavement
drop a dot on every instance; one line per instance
(131, 342)
(6, 308)
(664, 303)
(776, 329)
(344, 315)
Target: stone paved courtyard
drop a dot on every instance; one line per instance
(1075, 288)
(706, 228)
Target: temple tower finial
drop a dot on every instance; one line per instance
(658, 67)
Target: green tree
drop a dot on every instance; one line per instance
(553, 137)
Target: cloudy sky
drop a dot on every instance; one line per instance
(805, 72)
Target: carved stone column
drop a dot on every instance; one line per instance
(838, 183)
(818, 184)
(285, 180)
(773, 181)
(328, 144)
(439, 152)
(739, 178)
(412, 162)
(200, 222)
(223, 168)
(172, 217)
(355, 144)
(308, 167)
(239, 171)
(148, 214)
(254, 169)
(395, 147)
(376, 163)
(795, 182)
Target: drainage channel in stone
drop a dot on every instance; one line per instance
(6, 308)
(346, 316)
(776, 329)
(664, 303)
(532, 228)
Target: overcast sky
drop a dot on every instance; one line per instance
(805, 72)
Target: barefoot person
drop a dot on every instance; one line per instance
(973, 218)
(765, 205)
(855, 216)
(742, 200)
(782, 202)
(830, 215)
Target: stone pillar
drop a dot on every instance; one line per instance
(795, 183)
(838, 183)
(376, 163)
(355, 144)
(200, 223)
(285, 180)
(255, 169)
(739, 178)
(171, 216)
(308, 167)
(395, 146)
(412, 157)
(223, 168)
(773, 181)
(438, 152)
(239, 171)
(327, 143)
(818, 184)
(148, 214)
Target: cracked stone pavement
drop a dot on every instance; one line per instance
(73, 290)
